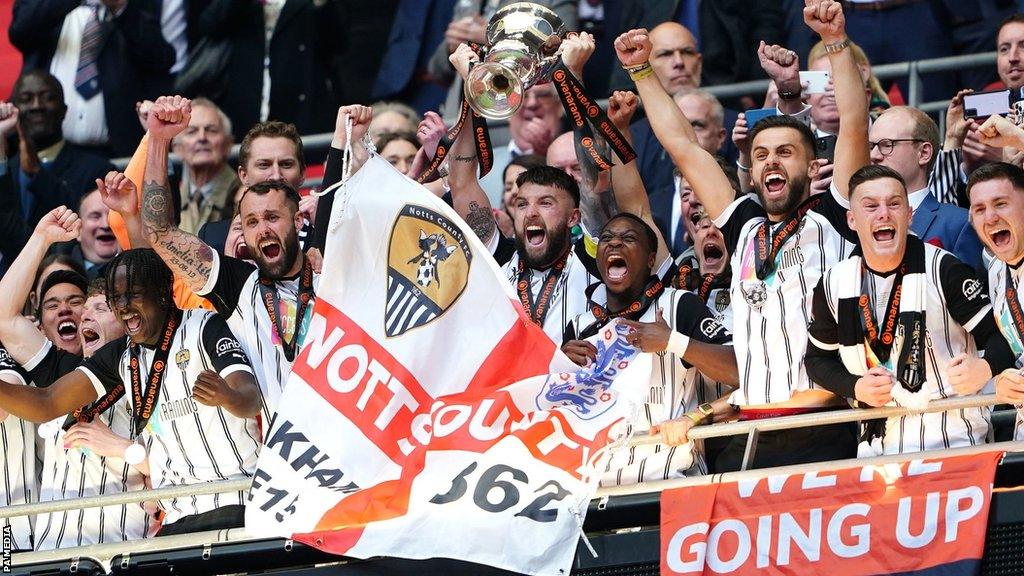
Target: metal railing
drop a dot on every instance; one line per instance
(750, 427)
(318, 143)
(104, 553)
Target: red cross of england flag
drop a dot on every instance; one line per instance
(426, 416)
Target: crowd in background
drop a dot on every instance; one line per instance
(669, 242)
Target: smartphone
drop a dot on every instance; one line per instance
(757, 114)
(816, 81)
(983, 104)
(825, 148)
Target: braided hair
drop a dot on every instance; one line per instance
(145, 269)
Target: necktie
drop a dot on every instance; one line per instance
(87, 77)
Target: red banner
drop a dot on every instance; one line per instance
(909, 517)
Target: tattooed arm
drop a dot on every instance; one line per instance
(187, 256)
(468, 198)
(597, 201)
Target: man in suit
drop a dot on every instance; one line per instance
(208, 184)
(47, 171)
(108, 55)
(725, 34)
(279, 65)
(906, 140)
(710, 120)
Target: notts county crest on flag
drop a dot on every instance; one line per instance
(428, 266)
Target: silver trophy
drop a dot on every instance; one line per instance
(524, 39)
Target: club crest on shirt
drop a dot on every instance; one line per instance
(428, 268)
(182, 358)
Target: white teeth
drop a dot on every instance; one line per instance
(774, 178)
(534, 229)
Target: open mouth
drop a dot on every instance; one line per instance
(617, 269)
(67, 331)
(1000, 238)
(774, 183)
(106, 237)
(270, 249)
(90, 336)
(242, 252)
(132, 323)
(884, 233)
(535, 235)
(713, 254)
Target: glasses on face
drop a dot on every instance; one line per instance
(886, 145)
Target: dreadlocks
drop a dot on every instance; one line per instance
(145, 269)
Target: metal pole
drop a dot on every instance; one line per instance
(914, 85)
(751, 449)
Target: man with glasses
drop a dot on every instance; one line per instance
(907, 140)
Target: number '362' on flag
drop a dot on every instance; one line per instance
(426, 416)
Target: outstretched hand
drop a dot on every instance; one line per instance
(119, 193)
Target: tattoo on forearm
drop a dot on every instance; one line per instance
(465, 158)
(597, 208)
(481, 220)
(156, 206)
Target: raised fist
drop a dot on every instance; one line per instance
(826, 18)
(999, 132)
(59, 225)
(8, 118)
(168, 117)
(621, 107)
(576, 50)
(781, 65)
(360, 115)
(633, 47)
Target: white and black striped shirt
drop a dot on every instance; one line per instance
(188, 442)
(956, 304)
(79, 473)
(234, 289)
(771, 340)
(997, 272)
(568, 299)
(673, 390)
(18, 453)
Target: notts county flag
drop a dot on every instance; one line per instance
(428, 265)
(462, 424)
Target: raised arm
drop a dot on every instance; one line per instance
(672, 128)
(826, 18)
(334, 168)
(120, 195)
(627, 185)
(468, 198)
(19, 335)
(188, 257)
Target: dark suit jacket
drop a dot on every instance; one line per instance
(215, 234)
(949, 228)
(653, 161)
(729, 34)
(13, 230)
(63, 182)
(661, 209)
(304, 41)
(134, 60)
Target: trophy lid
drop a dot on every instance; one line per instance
(525, 19)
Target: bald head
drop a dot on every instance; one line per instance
(562, 155)
(674, 57)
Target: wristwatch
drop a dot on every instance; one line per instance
(134, 454)
(703, 415)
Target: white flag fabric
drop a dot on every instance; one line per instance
(426, 416)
